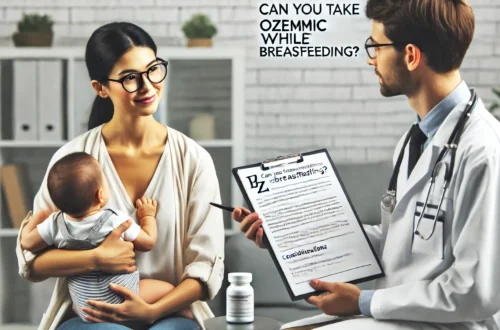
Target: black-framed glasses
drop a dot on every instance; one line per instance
(371, 47)
(134, 81)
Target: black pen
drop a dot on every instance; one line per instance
(227, 208)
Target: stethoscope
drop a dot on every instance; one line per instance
(389, 199)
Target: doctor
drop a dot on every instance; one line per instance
(440, 248)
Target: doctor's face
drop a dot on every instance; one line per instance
(394, 78)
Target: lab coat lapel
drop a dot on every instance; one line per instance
(421, 171)
(423, 168)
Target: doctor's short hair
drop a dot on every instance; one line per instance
(441, 29)
(73, 182)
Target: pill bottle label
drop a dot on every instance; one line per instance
(240, 308)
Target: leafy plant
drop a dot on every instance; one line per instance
(496, 104)
(35, 23)
(199, 26)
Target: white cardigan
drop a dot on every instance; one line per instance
(190, 231)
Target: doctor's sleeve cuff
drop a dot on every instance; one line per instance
(211, 275)
(365, 301)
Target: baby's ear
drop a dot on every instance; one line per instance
(100, 195)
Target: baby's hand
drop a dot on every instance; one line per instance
(146, 207)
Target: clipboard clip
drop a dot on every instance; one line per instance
(281, 160)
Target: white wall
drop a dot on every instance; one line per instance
(292, 105)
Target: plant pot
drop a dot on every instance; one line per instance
(32, 39)
(200, 42)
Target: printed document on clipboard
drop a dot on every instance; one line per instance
(309, 223)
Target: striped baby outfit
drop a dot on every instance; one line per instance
(94, 285)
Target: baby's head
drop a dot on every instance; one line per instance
(77, 184)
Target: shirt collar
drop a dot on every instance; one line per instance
(431, 122)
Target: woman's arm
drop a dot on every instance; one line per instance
(204, 254)
(187, 292)
(113, 255)
(60, 263)
(31, 239)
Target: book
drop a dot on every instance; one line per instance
(17, 192)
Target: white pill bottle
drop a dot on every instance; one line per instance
(240, 298)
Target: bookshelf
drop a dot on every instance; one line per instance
(199, 80)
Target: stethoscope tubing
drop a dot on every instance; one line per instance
(450, 147)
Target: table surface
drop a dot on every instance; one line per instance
(259, 323)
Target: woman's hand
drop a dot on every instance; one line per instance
(250, 224)
(115, 255)
(134, 308)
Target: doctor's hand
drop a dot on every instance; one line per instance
(339, 299)
(250, 224)
(114, 255)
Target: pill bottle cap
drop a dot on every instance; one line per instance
(240, 277)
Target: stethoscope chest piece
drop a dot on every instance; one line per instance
(388, 202)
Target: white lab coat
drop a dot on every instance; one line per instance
(453, 280)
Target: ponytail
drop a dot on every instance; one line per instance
(102, 112)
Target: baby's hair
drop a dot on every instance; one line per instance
(73, 182)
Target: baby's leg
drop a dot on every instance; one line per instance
(153, 290)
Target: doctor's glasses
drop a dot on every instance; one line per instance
(134, 81)
(372, 48)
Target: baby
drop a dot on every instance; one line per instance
(79, 189)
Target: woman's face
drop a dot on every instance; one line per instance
(144, 101)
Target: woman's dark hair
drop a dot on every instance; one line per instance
(105, 47)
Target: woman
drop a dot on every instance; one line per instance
(140, 157)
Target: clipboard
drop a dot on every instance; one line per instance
(297, 158)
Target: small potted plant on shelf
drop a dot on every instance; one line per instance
(34, 30)
(199, 31)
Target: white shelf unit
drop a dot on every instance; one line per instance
(198, 78)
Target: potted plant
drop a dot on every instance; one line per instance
(199, 31)
(34, 30)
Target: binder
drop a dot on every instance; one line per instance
(2, 101)
(6, 100)
(50, 99)
(291, 188)
(25, 100)
(17, 191)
